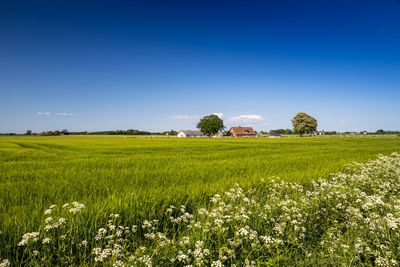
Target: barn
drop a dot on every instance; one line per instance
(189, 133)
(242, 132)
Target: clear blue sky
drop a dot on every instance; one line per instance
(104, 65)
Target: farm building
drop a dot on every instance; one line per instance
(189, 133)
(274, 135)
(218, 135)
(242, 132)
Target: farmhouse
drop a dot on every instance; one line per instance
(242, 132)
(274, 135)
(189, 133)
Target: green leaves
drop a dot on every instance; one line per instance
(210, 124)
(304, 123)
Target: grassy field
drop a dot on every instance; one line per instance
(140, 177)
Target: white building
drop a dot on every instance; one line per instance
(274, 135)
(188, 133)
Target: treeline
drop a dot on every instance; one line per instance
(278, 131)
(122, 132)
(173, 132)
(289, 131)
(116, 132)
(131, 132)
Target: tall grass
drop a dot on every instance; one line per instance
(139, 178)
(348, 219)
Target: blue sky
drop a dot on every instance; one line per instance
(160, 65)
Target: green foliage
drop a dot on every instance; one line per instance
(28, 132)
(50, 133)
(380, 131)
(139, 178)
(282, 131)
(210, 124)
(330, 132)
(304, 123)
(121, 132)
(170, 133)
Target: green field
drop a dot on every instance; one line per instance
(140, 177)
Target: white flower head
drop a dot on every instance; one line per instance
(48, 211)
(47, 240)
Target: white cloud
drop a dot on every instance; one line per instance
(246, 118)
(65, 114)
(43, 113)
(183, 117)
(219, 114)
(343, 122)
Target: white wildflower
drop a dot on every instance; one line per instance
(48, 211)
(216, 264)
(47, 240)
(5, 263)
(29, 237)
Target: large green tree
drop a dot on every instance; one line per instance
(210, 125)
(304, 123)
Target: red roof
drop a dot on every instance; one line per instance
(242, 130)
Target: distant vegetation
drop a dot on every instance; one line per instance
(174, 133)
(122, 132)
(282, 131)
(303, 125)
(115, 132)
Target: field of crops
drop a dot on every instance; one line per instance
(140, 178)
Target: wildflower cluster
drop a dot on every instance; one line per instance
(56, 239)
(5, 263)
(351, 218)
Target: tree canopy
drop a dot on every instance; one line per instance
(281, 131)
(304, 123)
(210, 124)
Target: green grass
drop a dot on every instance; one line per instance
(140, 177)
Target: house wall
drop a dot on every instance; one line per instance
(180, 134)
(234, 134)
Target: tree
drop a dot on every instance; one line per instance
(172, 132)
(28, 132)
(380, 131)
(281, 131)
(210, 124)
(65, 132)
(304, 123)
